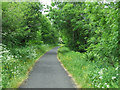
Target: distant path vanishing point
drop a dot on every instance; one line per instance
(48, 73)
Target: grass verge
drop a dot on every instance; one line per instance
(88, 74)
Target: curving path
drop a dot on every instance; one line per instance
(48, 73)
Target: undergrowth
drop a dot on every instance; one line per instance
(89, 74)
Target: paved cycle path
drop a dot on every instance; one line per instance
(48, 73)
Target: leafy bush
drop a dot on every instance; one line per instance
(24, 24)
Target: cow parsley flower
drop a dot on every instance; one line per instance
(101, 72)
(98, 86)
(100, 77)
(105, 83)
(107, 86)
(113, 78)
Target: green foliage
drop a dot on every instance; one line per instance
(27, 34)
(48, 32)
(89, 74)
(103, 39)
(89, 27)
(68, 19)
(63, 50)
(23, 23)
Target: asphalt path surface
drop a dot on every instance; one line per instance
(48, 73)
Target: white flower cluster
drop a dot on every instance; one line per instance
(101, 72)
(113, 77)
(107, 85)
(6, 56)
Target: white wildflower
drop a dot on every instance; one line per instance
(12, 56)
(101, 72)
(15, 67)
(0, 56)
(113, 77)
(100, 77)
(105, 83)
(107, 86)
(98, 86)
(9, 58)
(17, 71)
(102, 87)
(117, 74)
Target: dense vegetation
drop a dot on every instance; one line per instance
(27, 34)
(92, 30)
(88, 30)
(88, 74)
(23, 24)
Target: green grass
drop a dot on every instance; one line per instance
(88, 74)
(17, 63)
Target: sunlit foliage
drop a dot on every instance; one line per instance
(91, 28)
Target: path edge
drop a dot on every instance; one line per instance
(69, 75)
(31, 68)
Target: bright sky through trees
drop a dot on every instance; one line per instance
(46, 2)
